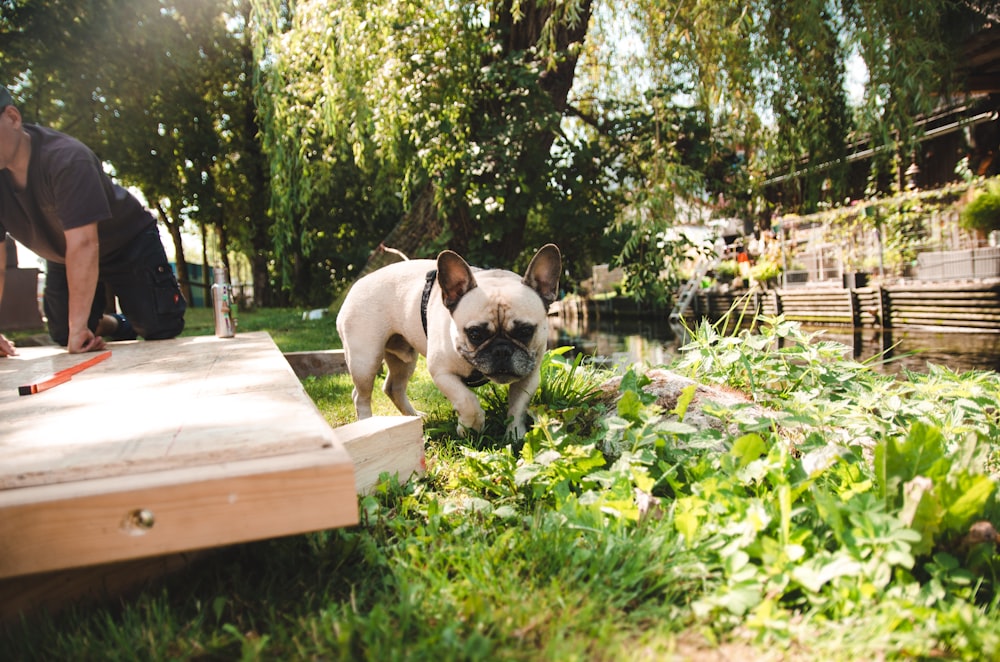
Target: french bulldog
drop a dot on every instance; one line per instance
(473, 325)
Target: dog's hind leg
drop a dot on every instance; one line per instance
(401, 361)
(363, 373)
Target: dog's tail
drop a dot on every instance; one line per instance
(382, 248)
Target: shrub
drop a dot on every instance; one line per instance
(982, 214)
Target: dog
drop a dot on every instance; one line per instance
(473, 325)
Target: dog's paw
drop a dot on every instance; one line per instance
(473, 422)
(516, 431)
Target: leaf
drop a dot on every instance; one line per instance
(820, 570)
(742, 597)
(684, 401)
(922, 453)
(630, 405)
(748, 448)
(687, 516)
(965, 501)
(921, 512)
(675, 428)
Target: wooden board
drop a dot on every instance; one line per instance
(317, 364)
(50, 527)
(164, 447)
(390, 444)
(383, 444)
(153, 406)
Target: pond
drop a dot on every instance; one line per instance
(652, 342)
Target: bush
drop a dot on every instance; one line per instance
(765, 270)
(982, 214)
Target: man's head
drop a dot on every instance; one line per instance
(12, 135)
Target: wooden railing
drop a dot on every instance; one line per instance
(954, 305)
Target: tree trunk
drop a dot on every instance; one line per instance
(174, 228)
(206, 278)
(515, 36)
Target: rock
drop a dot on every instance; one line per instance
(667, 386)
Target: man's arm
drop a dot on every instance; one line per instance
(82, 266)
(6, 347)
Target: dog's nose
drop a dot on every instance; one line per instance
(502, 350)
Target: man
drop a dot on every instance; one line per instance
(56, 199)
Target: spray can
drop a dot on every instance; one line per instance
(222, 301)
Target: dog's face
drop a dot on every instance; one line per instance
(500, 320)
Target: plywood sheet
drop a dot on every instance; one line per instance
(51, 527)
(164, 447)
(153, 406)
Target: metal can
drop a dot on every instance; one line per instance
(222, 301)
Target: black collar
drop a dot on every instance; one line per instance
(476, 378)
(428, 286)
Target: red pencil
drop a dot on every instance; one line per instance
(62, 376)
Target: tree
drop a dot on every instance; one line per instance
(453, 107)
(767, 80)
(160, 91)
(484, 127)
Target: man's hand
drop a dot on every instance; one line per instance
(6, 347)
(84, 341)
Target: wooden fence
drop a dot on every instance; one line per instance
(974, 306)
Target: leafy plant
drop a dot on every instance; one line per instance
(766, 270)
(982, 213)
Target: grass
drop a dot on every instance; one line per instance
(828, 528)
(290, 332)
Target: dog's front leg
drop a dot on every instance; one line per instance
(518, 397)
(463, 399)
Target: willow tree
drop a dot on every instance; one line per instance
(768, 78)
(454, 106)
(772, 75)
(160, 90)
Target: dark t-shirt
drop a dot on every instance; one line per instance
(67, 188)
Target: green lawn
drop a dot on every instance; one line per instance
(832, 526)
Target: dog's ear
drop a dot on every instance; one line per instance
(454, 277)
(543, 273)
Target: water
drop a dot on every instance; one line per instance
(651, 341)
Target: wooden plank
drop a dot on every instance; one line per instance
(153, 406)
(215, 437)
(19, 305)
(389, 444)
(50, 527)
(925, 295)
(955, 314)
(317, 363)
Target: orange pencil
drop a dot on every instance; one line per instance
(62, 376)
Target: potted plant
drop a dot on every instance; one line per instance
(982, 213)
(766, 272)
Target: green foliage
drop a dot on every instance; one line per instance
(904, 221)
(299, 132)
(982, 213)
(766, 270)
(651, 258)
(422, 96)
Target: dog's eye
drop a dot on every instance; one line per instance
(477, 335)
(523, 333)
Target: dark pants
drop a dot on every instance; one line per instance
(140, 276)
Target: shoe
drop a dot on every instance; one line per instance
(124, 330)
